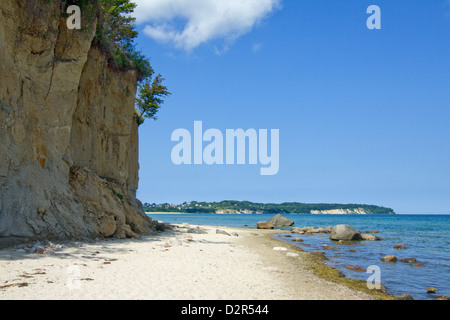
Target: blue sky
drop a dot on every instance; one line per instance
(363, 114)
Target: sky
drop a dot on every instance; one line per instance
(363, 115)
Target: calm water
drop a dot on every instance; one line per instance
(427, 237)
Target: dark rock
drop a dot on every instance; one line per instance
(344, 232)
(408, 260)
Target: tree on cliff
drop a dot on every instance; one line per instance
(150, 95)
(116, 34)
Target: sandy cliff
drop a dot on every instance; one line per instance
(68, 136)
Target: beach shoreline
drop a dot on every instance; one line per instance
(180, 264)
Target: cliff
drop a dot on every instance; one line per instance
(68, 132)
(247, 207)
(341, 211)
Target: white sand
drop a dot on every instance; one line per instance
(168, 267)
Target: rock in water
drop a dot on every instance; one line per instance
(355, 268)
(280, 221)
(389, 258)
(369, 237)
(298, 230)
(344, 232)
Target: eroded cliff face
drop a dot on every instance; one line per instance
(340, 211)
(68, 136)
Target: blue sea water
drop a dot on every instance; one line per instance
(427, 238)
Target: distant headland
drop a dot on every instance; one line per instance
(246, 207)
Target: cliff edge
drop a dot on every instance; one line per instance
(68, 132)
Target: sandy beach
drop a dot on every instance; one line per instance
(173, 265)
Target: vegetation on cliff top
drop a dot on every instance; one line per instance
(250, 207)
(115, 34)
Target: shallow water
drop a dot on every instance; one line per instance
(427, 238)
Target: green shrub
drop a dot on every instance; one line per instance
(115, 36)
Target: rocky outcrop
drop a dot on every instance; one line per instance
(68, 136)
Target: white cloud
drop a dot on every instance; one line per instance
(189, 23)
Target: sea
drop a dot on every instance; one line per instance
(427, 239)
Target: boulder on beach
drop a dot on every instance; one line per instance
(264, 225)
(280, 221)
(220, 231)
(344, 232)
(196, 231)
